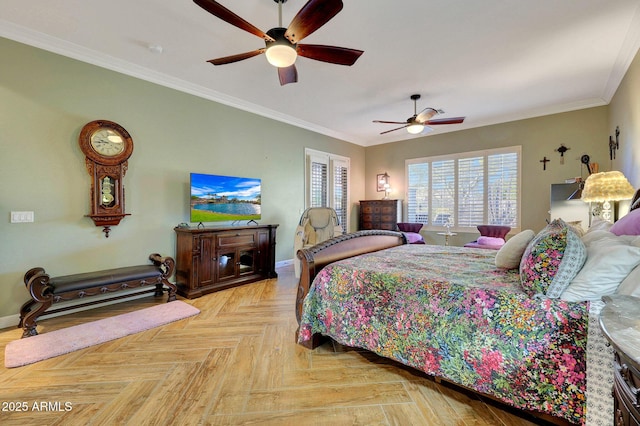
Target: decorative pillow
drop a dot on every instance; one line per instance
(490, 241)
(610, 259)
(551, 260)
(630, 286)
(509, 255)
(628, 224)
(413, 237)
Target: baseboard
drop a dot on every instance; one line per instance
(284, 263)
(10, 321)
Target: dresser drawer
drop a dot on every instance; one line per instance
(370, 209)
(237, 239)
(626, 384)
(385, 226)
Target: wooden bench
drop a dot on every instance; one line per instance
(45, 291)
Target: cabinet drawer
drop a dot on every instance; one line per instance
(237, 239)
(368, 218)
(626, 384)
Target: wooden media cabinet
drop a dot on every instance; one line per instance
(212, 259)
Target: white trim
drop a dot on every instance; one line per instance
(12, 321)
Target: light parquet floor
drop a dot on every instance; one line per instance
(236, 363)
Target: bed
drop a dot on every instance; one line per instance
(453, 314)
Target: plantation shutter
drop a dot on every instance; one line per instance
(327, 179)
(443, 190)
(503, 189)
(465, 190)
(418, 193)
(318, 182)
(471, 191)
(340, 199)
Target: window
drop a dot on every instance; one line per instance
(327, 183)
(465, 190)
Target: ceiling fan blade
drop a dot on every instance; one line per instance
(216, 9)
(425, 115)
(331, 54)
(288, 75)
(393, 130)
(389, 122)
(236, 58)
(452, 120)
(312, 16)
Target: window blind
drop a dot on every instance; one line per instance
(465, 190)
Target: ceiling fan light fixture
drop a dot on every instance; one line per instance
(415, 128)
(281, 55)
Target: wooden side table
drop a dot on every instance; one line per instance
(620, 322)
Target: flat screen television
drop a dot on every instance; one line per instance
(216, 198)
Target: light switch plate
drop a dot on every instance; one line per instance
(22, 217)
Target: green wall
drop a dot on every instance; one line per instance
(45, 99)
(583, 131)
(624, 113)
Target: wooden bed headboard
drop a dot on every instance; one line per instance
(341, 247)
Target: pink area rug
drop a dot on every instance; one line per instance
(48, 345)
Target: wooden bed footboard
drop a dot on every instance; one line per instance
(341, 247)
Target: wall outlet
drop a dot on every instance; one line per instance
(22, 217)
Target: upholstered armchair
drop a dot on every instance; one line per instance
(317, 224)
(491, 237)
(412, 232)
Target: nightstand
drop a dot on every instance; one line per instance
(620, 322)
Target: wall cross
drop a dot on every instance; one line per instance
(544, 162)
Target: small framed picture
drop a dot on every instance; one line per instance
(381, 180)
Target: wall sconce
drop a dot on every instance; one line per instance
(606, 187)
(382, 184)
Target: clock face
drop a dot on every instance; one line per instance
(107, 142)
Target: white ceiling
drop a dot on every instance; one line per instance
(492, 61)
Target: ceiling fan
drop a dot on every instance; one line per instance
(282, 46)
(418, 122)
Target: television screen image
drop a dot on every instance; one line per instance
(216, 198)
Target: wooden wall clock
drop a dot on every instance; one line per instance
(107, 146)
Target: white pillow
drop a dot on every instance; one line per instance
(592, 237)
(630, 286)
(610, 259)
(509, 255)
(598, 224)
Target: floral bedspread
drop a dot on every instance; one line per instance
(450, 312)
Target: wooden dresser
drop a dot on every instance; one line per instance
(380, 214)
(212, 259)
(620, 322)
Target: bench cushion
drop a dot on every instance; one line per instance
(77, 282)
